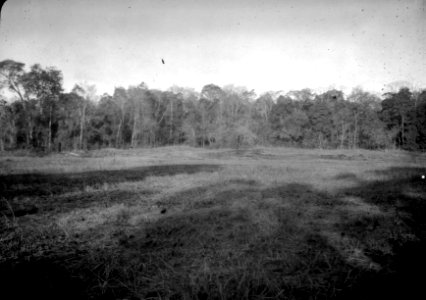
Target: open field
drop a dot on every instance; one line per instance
(185, 223)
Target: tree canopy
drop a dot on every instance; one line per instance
(41, 116)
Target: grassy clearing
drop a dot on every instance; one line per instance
(183, 223)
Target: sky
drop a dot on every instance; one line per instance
(263, 45)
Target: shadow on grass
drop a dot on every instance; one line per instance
(242, 241)
(403, 195)
(40, 279)
(46, 185)
(346, 176)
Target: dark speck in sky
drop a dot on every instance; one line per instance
(198, 51)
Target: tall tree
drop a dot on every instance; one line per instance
(421, 119)
(105, 120)
(11, 75)
(262, 109)
(68, 118)
(87, 93)
(137, 97)
(120, 98)
(320, 114)
(214, 94)
(5, 118)
(398, 110)
(367, 129)
(44, 86)
(342, 119)
(287, 121)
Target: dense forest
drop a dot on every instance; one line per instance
(39, 115)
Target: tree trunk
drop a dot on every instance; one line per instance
(402, 130)
(355, 132)
(135, 127)
(220, 113)
(29, 129)
(320, 140)
(194, 137)
(12, 134)
(25, 101)
(82, 121)
(203, 126)
(49, 142)
(1, 143)
(120, 125)
(171, 121)
(117, 138)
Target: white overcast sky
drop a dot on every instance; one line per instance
(263, 45)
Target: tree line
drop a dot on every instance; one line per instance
(41, 116)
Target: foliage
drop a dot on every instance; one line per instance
(40, 116)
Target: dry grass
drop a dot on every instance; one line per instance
(184, 223)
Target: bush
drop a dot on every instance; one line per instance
(237, 137)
